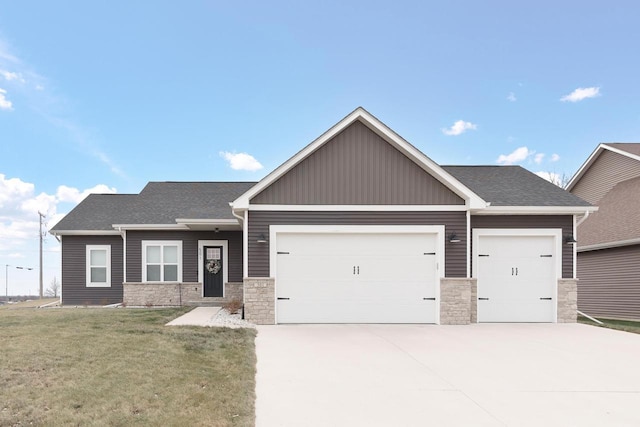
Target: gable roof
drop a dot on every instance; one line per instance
(513, 186)
(360, 114)
(617, 221)
(159, 203)
(627, 149)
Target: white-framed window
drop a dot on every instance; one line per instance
(98, 266)
(161, 261)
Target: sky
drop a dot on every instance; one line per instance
(104, 96)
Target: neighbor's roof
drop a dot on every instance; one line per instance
(617, 220)
(512, 186)
(157, 203)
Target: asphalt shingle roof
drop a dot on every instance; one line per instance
(157, 203)
(512, 186)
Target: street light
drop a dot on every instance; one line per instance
(6, 278)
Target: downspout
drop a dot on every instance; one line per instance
(586, 215)
(123, 234)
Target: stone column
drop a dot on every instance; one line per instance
(259, 300)
(567, 300)
(456, 300)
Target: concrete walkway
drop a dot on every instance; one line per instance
(199, 316)
(476, 375)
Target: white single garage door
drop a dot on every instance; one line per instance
(356, 277)
(517, 276)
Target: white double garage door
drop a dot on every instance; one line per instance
(391, 274)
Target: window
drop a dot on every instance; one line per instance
(98, 266)
(161, 261)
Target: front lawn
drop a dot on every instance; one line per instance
(621, 325)
(122, 367)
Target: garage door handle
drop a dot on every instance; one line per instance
(483, 299)
(546, 299)
(283, 298)
(429, 299)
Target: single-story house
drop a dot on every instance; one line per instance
(357, 227)
(609, 244)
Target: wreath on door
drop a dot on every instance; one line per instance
(213, 266)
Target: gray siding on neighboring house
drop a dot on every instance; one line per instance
(259, 221)
(565, 222)
(608, 170)
(357, 167)
(189, 251)
(609, 282)
(74, 271)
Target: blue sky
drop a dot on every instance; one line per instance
(107, 95)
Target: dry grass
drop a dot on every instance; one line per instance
(122, 367)
(33, 303)
(620, 325)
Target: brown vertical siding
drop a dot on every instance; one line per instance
(608, 170)
(74, 271)
(565, 222)
(357, 167)
(259, 222)
(189, 251)
(609, 283)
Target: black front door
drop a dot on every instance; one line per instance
(213, 273)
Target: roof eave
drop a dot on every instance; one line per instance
(608, 245)
(84, 232)
(535, 210)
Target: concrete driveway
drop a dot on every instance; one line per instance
(420, 375)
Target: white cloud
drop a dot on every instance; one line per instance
(9, 76)
(554, 157)
(581, 93)
(5, 104)
(19, 206)
(459, 128)
(73, 195)
(518, 155)
(538, 158)
(512, 97)
(16, 255)
(241, 161)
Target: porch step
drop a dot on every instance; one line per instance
(204, 303)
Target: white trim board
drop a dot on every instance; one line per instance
(360, 208)
(225, 261)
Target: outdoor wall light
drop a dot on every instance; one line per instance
(261, 238)
(569, 240)
(453, 238)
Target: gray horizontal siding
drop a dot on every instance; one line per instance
(189, 251)
(609, 282)
(357, 167)
(74, 271)
(564, 222)
(259, 222)
(608, 170)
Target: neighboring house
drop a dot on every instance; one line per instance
(357, 227)
(609, 239)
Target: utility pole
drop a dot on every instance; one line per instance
(41, 237)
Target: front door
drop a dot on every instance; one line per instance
(213, 274)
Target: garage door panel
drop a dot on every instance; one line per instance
(516, 277)
(356, 278)
(509, 310)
